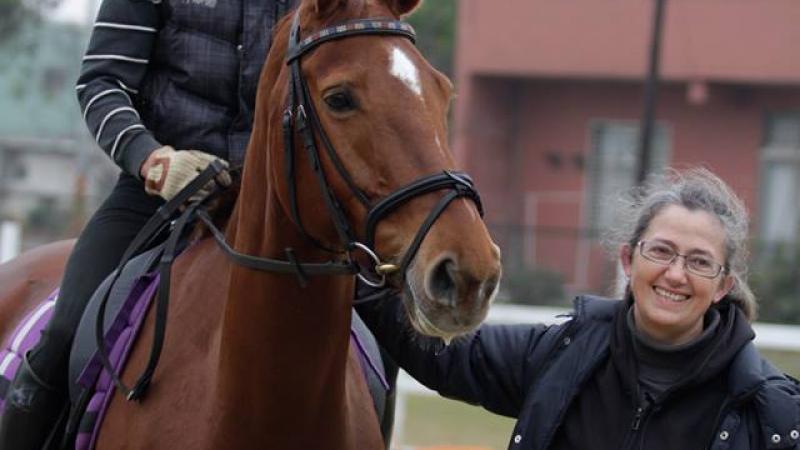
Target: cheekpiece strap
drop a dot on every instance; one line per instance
(349, 28)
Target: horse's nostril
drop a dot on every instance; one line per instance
(488, 288)
(442, 281)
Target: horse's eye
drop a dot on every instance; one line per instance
(340, 102)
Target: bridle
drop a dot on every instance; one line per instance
(299, 119)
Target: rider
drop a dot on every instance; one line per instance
(166, 87)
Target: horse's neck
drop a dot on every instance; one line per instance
(282, 344)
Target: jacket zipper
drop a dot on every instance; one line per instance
(639, 419)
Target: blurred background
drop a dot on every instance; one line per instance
(561, 107)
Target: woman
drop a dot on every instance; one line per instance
(158, 75)
(670, 366)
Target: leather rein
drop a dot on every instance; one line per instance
(299, 119)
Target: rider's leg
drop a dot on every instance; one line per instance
(37, 394)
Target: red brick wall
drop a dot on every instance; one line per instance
(524, 141)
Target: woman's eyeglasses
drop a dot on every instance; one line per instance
(660, 253)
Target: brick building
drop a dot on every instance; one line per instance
(550, 95)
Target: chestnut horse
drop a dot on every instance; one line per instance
(256, 359)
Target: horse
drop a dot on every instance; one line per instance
(261, 358)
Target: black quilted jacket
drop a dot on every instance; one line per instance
(175, 72)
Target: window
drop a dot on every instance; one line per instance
(613, 162)
(780, 180)
(12, 167)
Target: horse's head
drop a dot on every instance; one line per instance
(382, 109)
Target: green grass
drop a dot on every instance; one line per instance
(435, 421)
(787, 361)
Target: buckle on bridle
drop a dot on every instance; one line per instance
(379, 267)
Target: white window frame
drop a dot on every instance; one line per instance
(779, 212)
(597, 201)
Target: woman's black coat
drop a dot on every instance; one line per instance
(533, 373)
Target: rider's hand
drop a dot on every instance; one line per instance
(166, 171)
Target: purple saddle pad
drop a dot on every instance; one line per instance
(25, 336)
(119, 338)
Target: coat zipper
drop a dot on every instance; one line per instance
(640, 416)
(637, 419)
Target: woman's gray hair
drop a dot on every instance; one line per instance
(694, 189)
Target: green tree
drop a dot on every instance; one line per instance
(435, 23)
(775, 279)
(14, 13)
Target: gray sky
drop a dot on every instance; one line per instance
(76, 11)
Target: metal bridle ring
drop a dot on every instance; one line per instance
(380, 267)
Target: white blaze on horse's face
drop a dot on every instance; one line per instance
(404, 69)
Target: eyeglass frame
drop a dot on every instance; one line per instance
(720, 270)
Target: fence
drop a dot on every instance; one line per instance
(10, 240)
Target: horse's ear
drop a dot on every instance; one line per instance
(403, 7)
(324, 8)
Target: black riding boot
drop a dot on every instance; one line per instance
(32, 407)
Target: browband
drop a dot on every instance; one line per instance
(349, 28)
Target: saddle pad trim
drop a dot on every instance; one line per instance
(366, 360)
(25, 336)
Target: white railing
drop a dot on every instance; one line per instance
(10, 240)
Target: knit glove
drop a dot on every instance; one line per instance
(166, 172)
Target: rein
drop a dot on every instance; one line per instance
(299, 118)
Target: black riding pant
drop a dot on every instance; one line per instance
(97, 252)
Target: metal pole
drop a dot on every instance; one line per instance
(650, 95)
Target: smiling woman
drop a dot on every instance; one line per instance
(671, 365)
(695, 209)
(672, 295)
